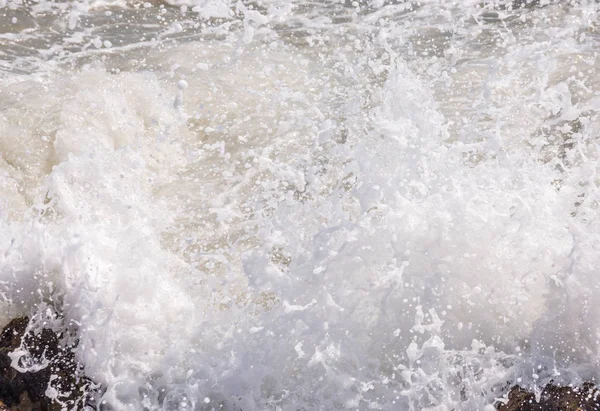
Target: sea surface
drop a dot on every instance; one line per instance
(304, 205)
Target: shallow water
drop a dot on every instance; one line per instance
(286, 205)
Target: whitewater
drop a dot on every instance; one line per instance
(304, 205)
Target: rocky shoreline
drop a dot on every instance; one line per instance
(554, 398)
(58, 384)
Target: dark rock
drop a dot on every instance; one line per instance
(20, 391)
(554, 398)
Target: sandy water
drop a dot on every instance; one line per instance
(285, 205)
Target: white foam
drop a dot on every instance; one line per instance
(253, 223)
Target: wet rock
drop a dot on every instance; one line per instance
(554, 398)
(58, 383)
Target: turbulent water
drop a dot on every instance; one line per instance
(293, 205)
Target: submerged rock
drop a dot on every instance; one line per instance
(58, 382)
(554, 398)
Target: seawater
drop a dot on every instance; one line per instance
(290, 205)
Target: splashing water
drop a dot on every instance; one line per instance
(290, 205)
